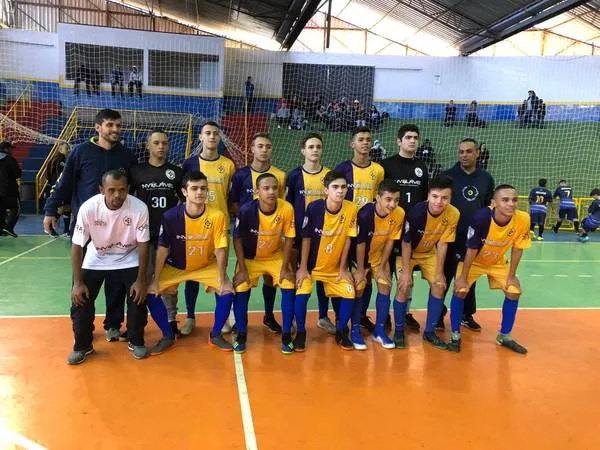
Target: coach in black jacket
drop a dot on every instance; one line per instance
(473, 188)
(10, 172)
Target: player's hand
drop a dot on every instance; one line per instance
(286, 274)
(512, 282)
(359, 277)
(241, 277)
(137, 292)
(405, 282)
(384, 274)
(80, 294)
(50, 225)
(345, 275)
(226, 287)
(301, 275)
(461, 286)
(153, 287)
(440, 282)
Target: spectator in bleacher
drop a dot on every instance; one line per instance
(374, 118)
(472, 116)
(358, 115)
(450, 119)
(249, 92)
(314, 108)
(426, 153)
(53, 170)
(80, 180)
(484, 157)
(298, 121)
(82, 73)
(541, 114)
(283, 114)
(96, 80)
(116, 80)
(135, 81)
(10, 173)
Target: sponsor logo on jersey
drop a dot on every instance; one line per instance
(155, 185)
(127, 220)
(221, 169)
(418, 172)
(404, 181)
(98, 223)
(445, 221)
(170, 174)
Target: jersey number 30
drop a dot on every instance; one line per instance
(159, 202)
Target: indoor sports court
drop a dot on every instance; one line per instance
(514, 80)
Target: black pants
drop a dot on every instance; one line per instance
(9, 213)
(450, 265)
(83, 316)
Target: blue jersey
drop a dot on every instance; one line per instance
(565, 194)
(539, 198)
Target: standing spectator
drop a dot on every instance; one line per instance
(358, 114)
(374, 118)
(96, 80)
(541, 114)
(10, 172)
(249, 92)
(532, 105)
(521, 112)
(283, 114)
(472, 116)
(53, 170)
(135, 81)
(450, 119)
(484, 156)
(116, 79)
(82, 73)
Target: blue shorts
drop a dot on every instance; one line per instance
(538, 218)
(589, 224)
(567, 213)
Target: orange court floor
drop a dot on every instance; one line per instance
(196, 397)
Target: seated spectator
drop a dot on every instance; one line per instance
(374, 119)
(484, 156)
(283, 114)
(358, 114)
(450, 119)
(298, 121)
(472, 117)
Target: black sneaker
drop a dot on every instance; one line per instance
(411, 323)
(434, 340)
(469, 322)
(555, 229)
(300, 341)
(505, 340)
(123, 337)
(174, 328)
(454, 345)
(366, 323)
(11, 233)
(271, 324)
(399, 340)
(239, 344)
(343, 340)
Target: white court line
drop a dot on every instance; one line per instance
(585, 276)
(249, 434)
(536, 275)
(560, 275)
(25, 252)
(11, 437)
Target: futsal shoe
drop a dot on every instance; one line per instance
(399, 339)
(367, 324)
(342, 339)
(469, 322)
(383, 339)
(176, 331)
(584, 239)
(299, 343)
(138, 351)
(540, 238)
(162, 346)
(454, 344)
(79, 356)
(532, 235)
(220, 342)
(271, 324)
(188, 326)
(11, 233)
(358, 341)
(433, 339)
(239, 344)
(506, 340)
(287, 348)
(411, 323)
(326, 325)
(113, 334)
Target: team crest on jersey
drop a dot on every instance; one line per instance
(511, 232)
(277, 219)
(170, 174)
(342, 218)
(418, 172)
(392, 222)
(445, 221)
(221, 169)
(127, 221)
(207, 223)
(373, 176)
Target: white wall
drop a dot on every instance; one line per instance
(29, 54)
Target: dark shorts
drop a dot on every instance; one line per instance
(567, 213)
(538, 218)
(589, 225)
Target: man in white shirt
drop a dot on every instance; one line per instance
(117, 226)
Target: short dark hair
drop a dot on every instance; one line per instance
(115, 175)
(471, 140)
(406, 128)
(195, 175)
(357, 130)
(261, 134)
(212, 123)
(595, 191)
(441, 182)
(562, 181)
(311, 136)
(106, 114)
(542, 182)
(264, 176)
(333, 175)
(387, 185)
(155, 130)
(503, 186)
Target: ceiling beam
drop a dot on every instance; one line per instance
(292, 33)
(516, 22)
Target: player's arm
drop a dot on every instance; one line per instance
(241, 274)
(440, 278)
(405, 281)
(81, 236)
(138, 289)
(515, 259)
(226, 286)
(344, 274)
(302, 272)
(460, 285)
(384, 269)
(286, 272)
(161, 258)
(359, 274)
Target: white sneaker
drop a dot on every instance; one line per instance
(326, 325)
(385, 342)
(188, 326)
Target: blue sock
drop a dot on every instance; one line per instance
(346, 308)
(300, 311)
(158, 311)
(434, 312)
(382, 307)
(191, 294)
(457, 308)
(356, 313)
(240, 310)
(269, 296)
(399, 313)
(323, 300)
(366, 298)
(509, 313)
(335, 304)
(222, 310)
(287, 309)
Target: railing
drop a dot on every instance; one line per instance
(18, 109)
(582, 204)
(41, 181)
